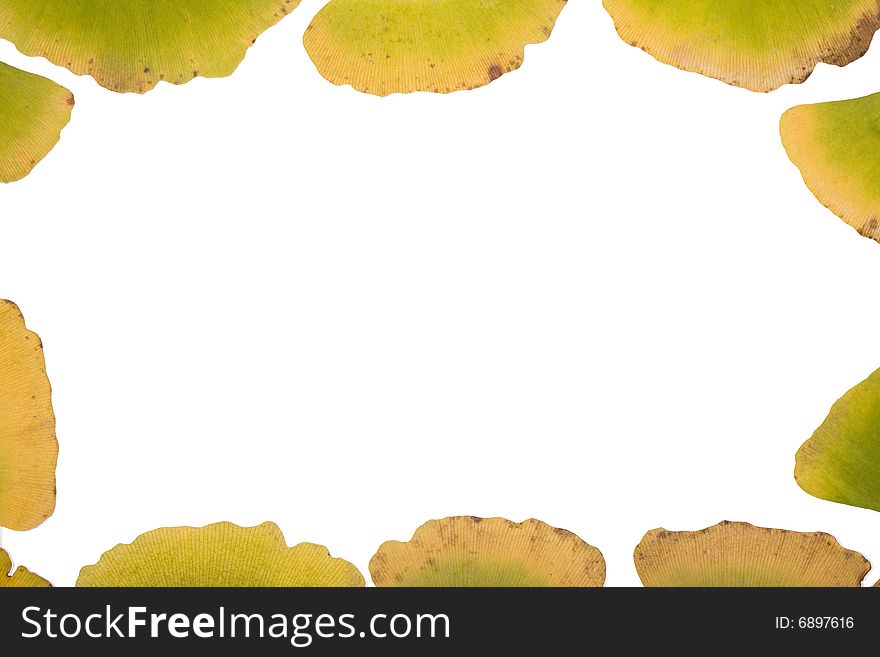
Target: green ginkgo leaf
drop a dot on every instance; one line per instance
(388, 46)
(757, 44)
(219, 555)
(841, 461)
(473, 552)
(21, 578)
(131, 45)
(33, 112)
(836, 146)
(737, 554)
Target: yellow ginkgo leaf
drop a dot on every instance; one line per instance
(757, 44)
(387, 46)
(28, 448)
(21, 578)
(220, 555)
(836, 146)
(33, 112)
(131, 45)
(736, 554)
(472, 552)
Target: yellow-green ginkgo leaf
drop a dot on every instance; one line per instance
(131, 45)
(28, 448)
(736, 554)
(837, 148)
(388, 46)
(33, 112)
(473, 552)
(841, 461)
(220, 555)
(21, 578)
(757, 44)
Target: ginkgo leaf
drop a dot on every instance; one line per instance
(131, 45)
(473, 552)
(33, 112)
(736, 554)
(841, 461)
(757, 44)
(220, 555)
(28, 448)
(837, 148)
(21, 578)
(387, 46)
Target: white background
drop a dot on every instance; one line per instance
(595, 292)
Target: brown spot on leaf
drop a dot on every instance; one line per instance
(870, 228)
(495, 72)
(859, 42)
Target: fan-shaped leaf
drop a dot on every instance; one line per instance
(220, 555)
(387, 46)
(756, 44)
(33, 112)
(837, 148)
(131, 45)
(466, 551)
(739, 554)
(21, 578)
(841, 461)
(28, 448)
